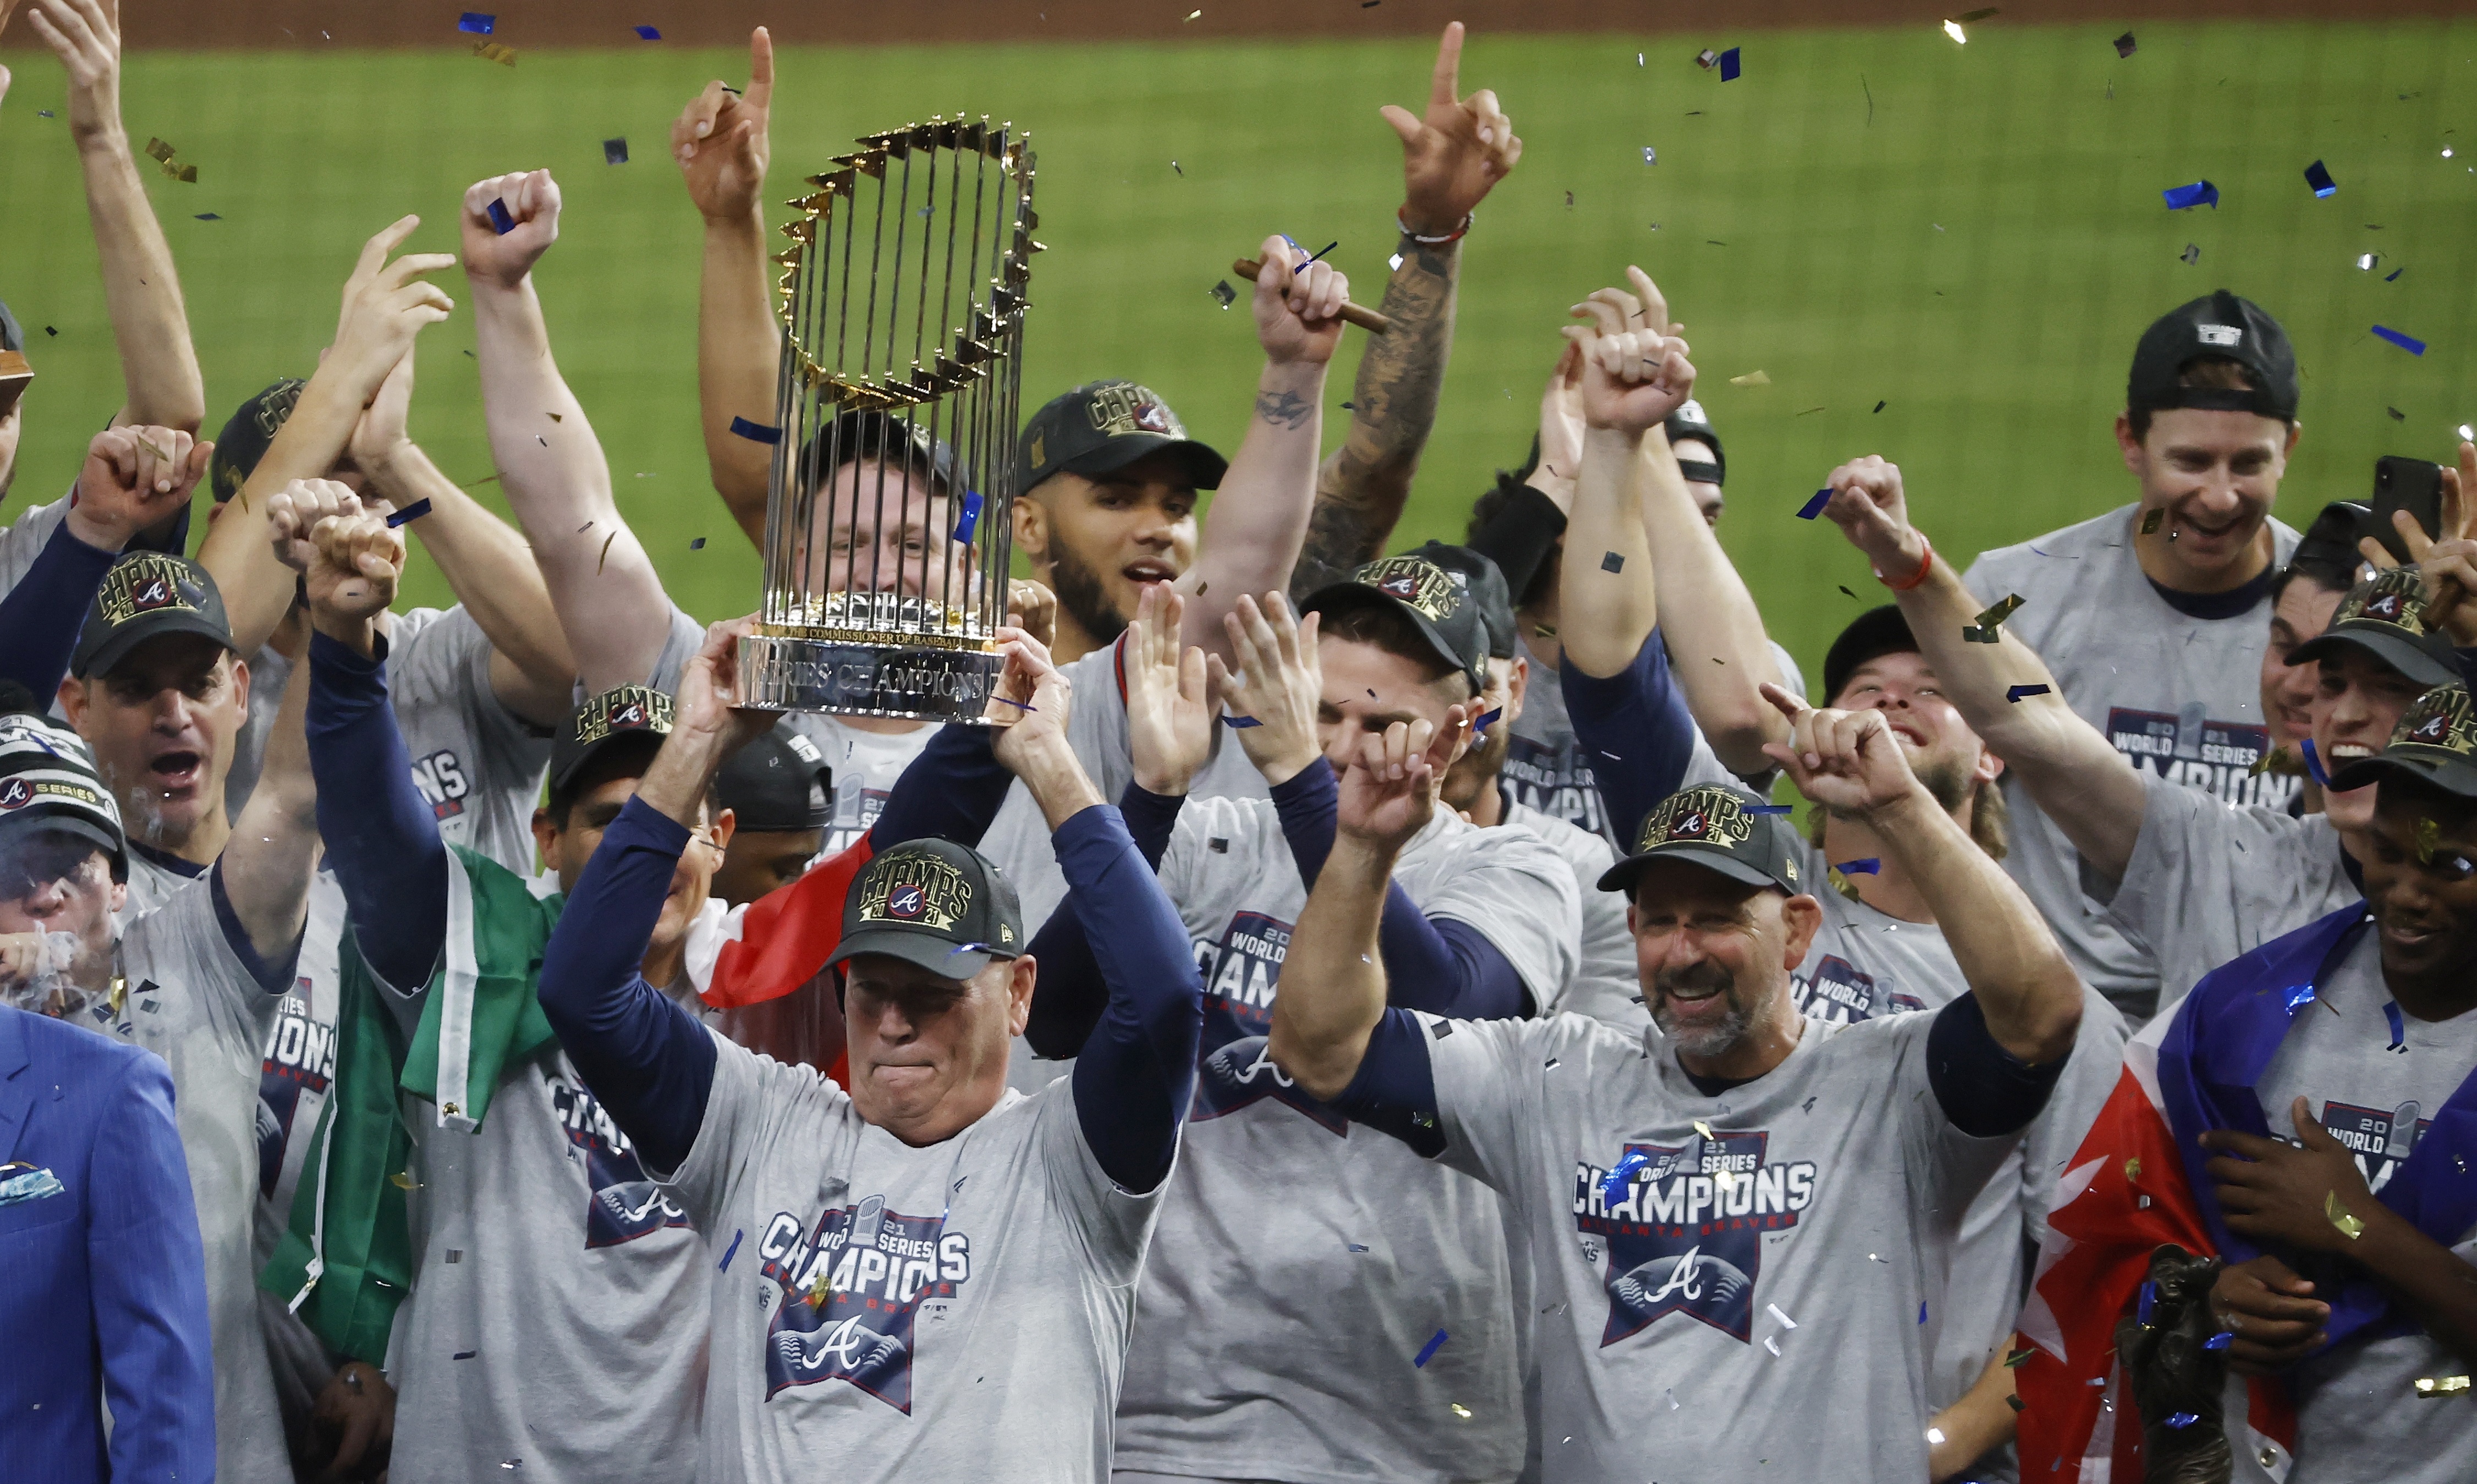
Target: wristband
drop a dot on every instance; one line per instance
(1454, 236)
(1926, 565)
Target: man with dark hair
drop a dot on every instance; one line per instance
(2152, 616)
(2303, 596)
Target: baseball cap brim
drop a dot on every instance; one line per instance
(1204, 466)
(63, 823)
(112, 650)
(2454, 776)
(1346, 594)
(569, 767)
(2391, 648)
(1620, 877)
(922, 948)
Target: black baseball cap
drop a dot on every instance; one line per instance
(1717, 827)
(1871, 635)
(2327, 551)
(623, 716)
(2385, 617)
(2435, 741)
(1106, 425)
(248, 433)
(1485, 585)
(1689, 420)
(48, 785)
(146, 594)
(1439, 601)
(2220, 325)
(778, 782)
(934, 903)
(869, 433)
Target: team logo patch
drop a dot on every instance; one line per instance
(1123, 409)
(918, 886)
(1681, 1231)
(1235, 1066)
(147, 582)
(2218, 335)
(2381, 1138)
(16, 793)
(1708, 814)
(625, 709)
(852, 1290)
(2395, 598)
(2440, 720)
(1415, 580)
(905, 902)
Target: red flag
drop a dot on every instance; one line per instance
(769, 982)
(2122, 1196)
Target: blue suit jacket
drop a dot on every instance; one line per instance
(103, 1286)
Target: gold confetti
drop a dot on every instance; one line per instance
(1703, 1128)
(2349, 1226)
(1751, 378)
(1462, 1411)
(606, 552)
(404, 1181)
(2428, 835)
(160, 150)
(493, 51)
(1984, 631)
(163, 156)
(1724, 1179)
(2132, 1168)
(818, 1291)
(2150, 522)
(2441, 1386)
(2017, 1357)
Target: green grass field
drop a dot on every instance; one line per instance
(1972, 235)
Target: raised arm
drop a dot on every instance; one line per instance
(610, 600)
(267, 863)
(1260, 515)
(1850, 762)
(1634, 375)
(1452, 154)
(133, 478)
(2075, 774)
(141, 290)
(385, 305)
(485, 563)
(721, 144)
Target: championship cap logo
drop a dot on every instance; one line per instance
(2218, 335)
(2440, 719)
(2395, 598)
(1708, 814)
(906, 900)
(625, 709)
(145, 584)
(1415, 582)
(1123, 409)
(16, 793)
(916, 888)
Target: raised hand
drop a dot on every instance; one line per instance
(294, 513)
(133, 478)
(1561, 428)
(1033, 609)
(530, 199)
(357, 561)
(1298, 313)
(709, 703)
(379, 435)
(1389, 791)
(1847, 761)
(1453, 154)
(85, 35)
(385, 305)
(2447, 562)
(1032, 702)
(1278, 685)
(1634, 370)
(1170, 721)
(1868, 507)
(719, 140)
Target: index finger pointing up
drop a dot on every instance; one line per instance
(1445, 85)
(761, 69)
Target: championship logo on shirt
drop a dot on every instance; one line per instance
(2381, 1138)
(1234, 1056)
(441, 780)
(852, 1288)
(625, 1204)
(1838, 994)
(1555, 781)
(1685, 1233)
(300, 1057)
(2216, 757)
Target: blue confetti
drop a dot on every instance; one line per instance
(1353, 1247)
(1432, 1347)
(1767, 809)
(1480, 727)
(2019, 693)
(1017, 705)
(2298, 997)
(2320, 179)
(476, 22)
(2198, 193)
(648, 34)
(410, 513)
(614, 151)
(500, 221)
(2182, 1419)
(2393, 275)
(1814, 507)
(1613, 1185)
(1922, 1311)
(2399, 1028)
(755, 432)
(1729, 68)
(1234, 722)
(698, 544)
(2314, 762)
(970, 520)
(2219, 1341)
(2149, 1302)
(2407, 342)
(209, 216)
(1872, 865)
(725, 1265)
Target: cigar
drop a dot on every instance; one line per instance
(1358, 314)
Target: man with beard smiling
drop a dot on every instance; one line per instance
(2152, 615)
(2194, 879)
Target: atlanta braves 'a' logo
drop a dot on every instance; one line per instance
(16, 793)
(626, 1204)
(1683, 1227)
(1235, 1065)
(906, 900)
(852, 1288)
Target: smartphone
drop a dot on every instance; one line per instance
(15, 374)
(2412, 484)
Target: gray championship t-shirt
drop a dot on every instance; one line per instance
(1303, 1264)
(881, 1312)
(2358, 1414)
(24, 540)
(194, 1001)
(1758, 1301)
(2179, 695)
(2207, 882)
(865, 765)
(1605, 985)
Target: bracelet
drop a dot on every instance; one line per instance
(1455, 235)
(1926, 565)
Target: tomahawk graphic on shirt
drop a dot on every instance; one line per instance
(626, 1204)
(851, 1289)
(1684, 1234)
(1234, 1056)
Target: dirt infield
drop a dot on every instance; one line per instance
(269, 24)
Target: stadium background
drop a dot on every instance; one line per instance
(1971, 235)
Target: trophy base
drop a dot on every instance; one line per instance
(799, 672)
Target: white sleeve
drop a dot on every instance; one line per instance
(23, 542)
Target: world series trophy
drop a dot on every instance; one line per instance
(889, 520)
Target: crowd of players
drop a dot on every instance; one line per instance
(1363, 1019)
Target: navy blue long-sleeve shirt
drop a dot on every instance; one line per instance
(1636, 729)
(652, 1065)
(382, 839)
(41, 617)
